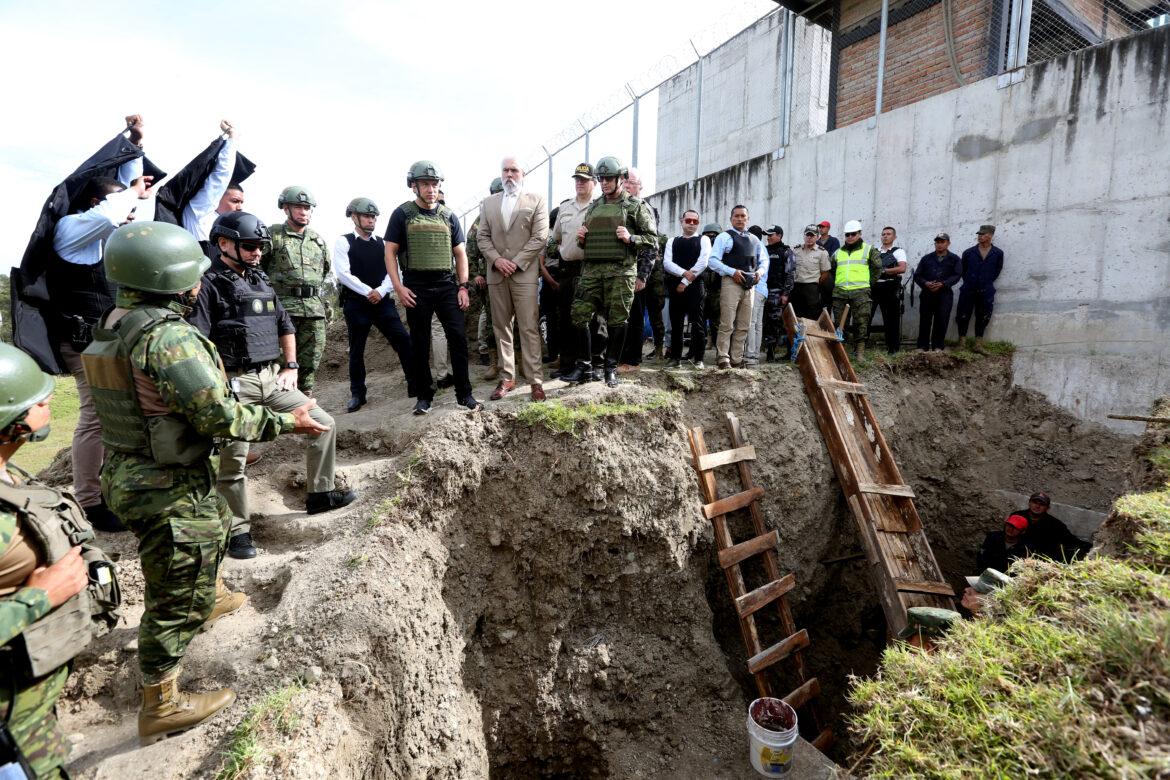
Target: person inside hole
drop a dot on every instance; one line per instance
(1001, 548)
(978, 588)
(1048, 536)
(926, 625)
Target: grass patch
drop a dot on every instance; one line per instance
(357, 561)
(387, 505)
(64, 413)
(562, 418)
(248, 744)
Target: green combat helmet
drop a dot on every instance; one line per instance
(362, 206)
(155, 257)
(989, 580)
(22, 384)
(423, 170)
(712, 227)
(296, 196)
(928, 621)
(497, 186)
(612, 166)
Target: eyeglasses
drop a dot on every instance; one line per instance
(252, 247)
(691, 221)
(855, 233)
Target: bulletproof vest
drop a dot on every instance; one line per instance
(57, 524)
(601, 242)
(428, 240)
(367, 259)
(80, 290)
(247, 336)
(743, 253)
(167, 439)
(778, 256)
(888, 261)
(853, 267)
(684, 251)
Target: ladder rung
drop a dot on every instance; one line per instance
(837, 384)
(920, 586)
(886, 490)
(778, 652)
(824, 741)
(802, 695)
(764, 595)
(744, 550)
(732, 503)
(716, 459)
(820, 334)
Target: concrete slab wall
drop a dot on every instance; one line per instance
(1072, 165)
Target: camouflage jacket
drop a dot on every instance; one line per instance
(475, 264)
(297, 260)
(643, 246)
(25, 606)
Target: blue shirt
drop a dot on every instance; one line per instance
(723, 245)
(932, 268)
(978, 273)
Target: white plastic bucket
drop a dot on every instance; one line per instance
(771, 751)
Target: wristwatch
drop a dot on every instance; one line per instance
(465, 285)
(291, 364)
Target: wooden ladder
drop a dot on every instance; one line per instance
(775, 591)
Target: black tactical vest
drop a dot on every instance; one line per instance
(743, 253)
(247, 336)
(684, 252)
(367, 259)
(778, 256)
(80, 290)
(888, 261)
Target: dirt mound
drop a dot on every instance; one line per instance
(510, 600)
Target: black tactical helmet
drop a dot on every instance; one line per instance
(423, 170)
(612, 166)
(240, 226)
(155, 257)
(362, 206)
(295, 196)
(22, 384)
(497, 186)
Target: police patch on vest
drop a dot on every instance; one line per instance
(257, 306)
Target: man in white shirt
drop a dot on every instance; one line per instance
(684, 262)
(212, 198)
(887, 290)
(360, 266)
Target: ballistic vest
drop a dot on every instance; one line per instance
(54, 523)
(889, 261)
(601, 242)
(743, 252)
(367, 259)
(684, 252)
(778, 255)
(428, 240)
(247, 335)
(79, 290)
(853, 268)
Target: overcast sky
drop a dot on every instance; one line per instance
(338, 98)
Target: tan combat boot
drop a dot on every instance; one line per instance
(979, 346)
(493, 371)
(226, 602)
(167, 711)
(859, 350)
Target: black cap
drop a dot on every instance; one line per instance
(775, 230)
(1042, 498)
(942, 237)
(583, 171)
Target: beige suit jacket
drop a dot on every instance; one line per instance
(522, 241)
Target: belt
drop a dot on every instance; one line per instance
(297, 292)
(251, 368)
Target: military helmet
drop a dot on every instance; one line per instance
(712, 227)
(295, 196)
(240, 226)
(22, 384)
(497, 185)
(362, 206)
(423, 170)
(611, 166)
(155, 257)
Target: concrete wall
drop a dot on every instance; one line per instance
(1071, 165)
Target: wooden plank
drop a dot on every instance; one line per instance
(920, 586)
(744, 550)
(837, 384)
(764, 595)
(732, 503)
(803, 694)
(820, 334)
(716, 459)
(905, 491)
(778, 651)
(825, 741)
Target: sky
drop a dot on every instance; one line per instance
(339, 98)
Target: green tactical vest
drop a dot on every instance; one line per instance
(853, 268)
(58, 524)
(601, 242)
(169, 440)
(428, 239)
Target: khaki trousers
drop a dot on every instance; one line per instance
(735, 318)
(511, 298)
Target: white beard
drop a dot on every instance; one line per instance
(511, 187)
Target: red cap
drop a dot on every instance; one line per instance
(1019, 522)
(826, 224)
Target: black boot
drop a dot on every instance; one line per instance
(355, 403)
(331, 499)
(613, 351)
(101, 518)
(582, 372)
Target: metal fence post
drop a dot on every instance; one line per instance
(881, 69)
(785, 97)
(698, 110)
(1025, 33)
(634, 153)
(550, 173)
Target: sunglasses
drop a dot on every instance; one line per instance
(855, 233)
(252, 247)
(691, 221)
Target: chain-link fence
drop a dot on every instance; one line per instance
(1060, 26)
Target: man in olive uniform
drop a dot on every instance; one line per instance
(34, 581)
(163, 399)
(858, 266)
(477, 267)
(616, 227)
(297, 264)
(654, 292)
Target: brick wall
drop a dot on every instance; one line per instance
(917, 65)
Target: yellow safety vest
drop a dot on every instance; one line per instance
(853, 268)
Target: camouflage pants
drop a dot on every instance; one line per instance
(860, 310)
(182, 527)
(655, 300)
(34, 721)
(606, 290)
(488, 334)
(310, 344)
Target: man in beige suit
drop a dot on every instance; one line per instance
(513, 228)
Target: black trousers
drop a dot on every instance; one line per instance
(887, 298)
(360, 317)
(806, 300)
(547, 301)
(687, 304)
(437, 298)
(979, 302)
(635, 330)
(934, 316)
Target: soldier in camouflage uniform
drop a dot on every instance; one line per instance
(163, 399)
(617, 227)
(29, 587)
(298, 265)
(478, 269)
(654, 293)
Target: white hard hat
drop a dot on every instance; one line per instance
(853, 226)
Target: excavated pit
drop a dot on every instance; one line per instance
(536, 604)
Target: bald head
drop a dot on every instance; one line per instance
(633, 184)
